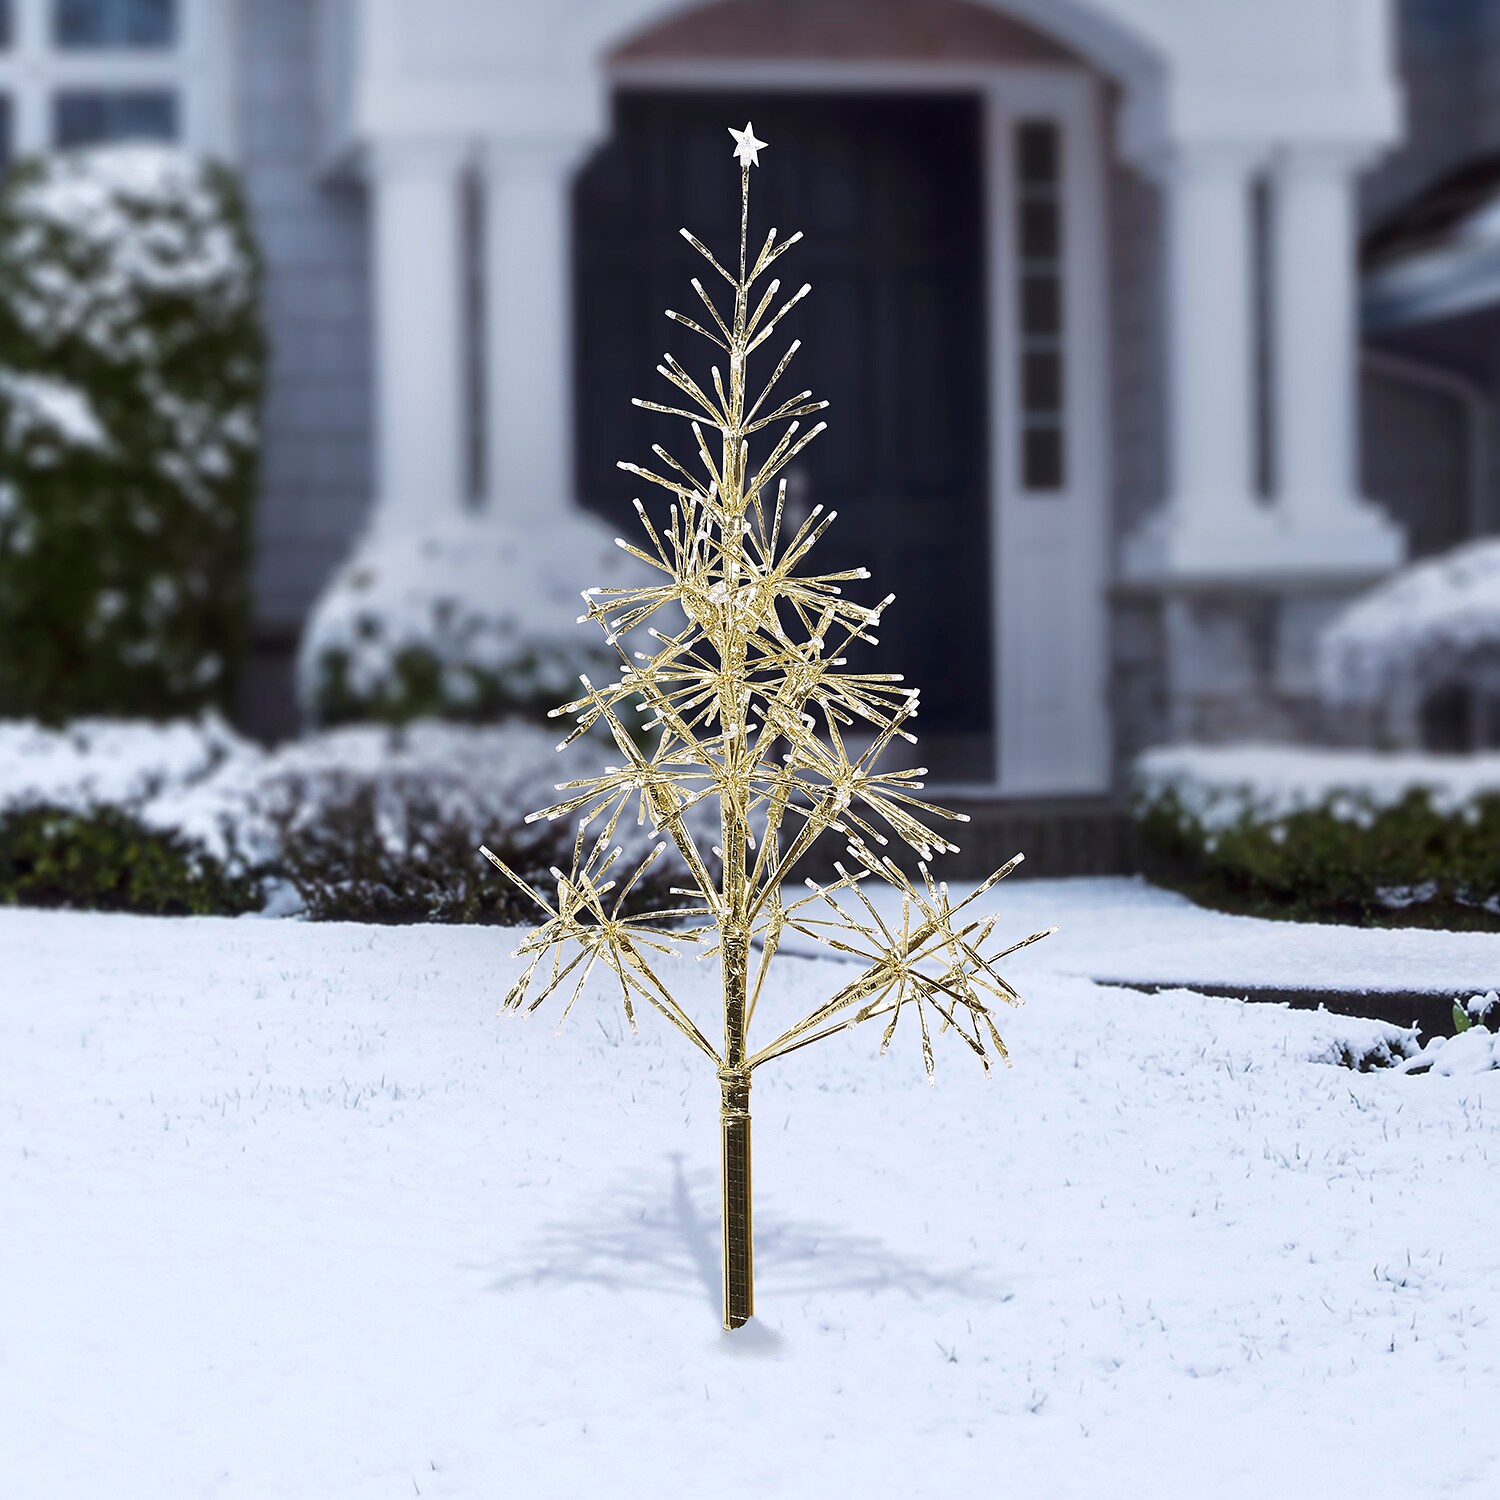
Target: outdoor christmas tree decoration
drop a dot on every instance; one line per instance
(757, 716)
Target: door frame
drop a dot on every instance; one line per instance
(1049, 554)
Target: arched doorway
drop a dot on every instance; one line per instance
(945, 161)
(888, 190)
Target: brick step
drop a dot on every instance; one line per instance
(1059, 836)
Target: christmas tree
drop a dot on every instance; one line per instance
(750, 711)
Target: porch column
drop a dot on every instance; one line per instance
(529, 325)
(1212, 524)
(1209, 349)
(419, 401)
(1315, 362)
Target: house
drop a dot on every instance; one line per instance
(1085, 304)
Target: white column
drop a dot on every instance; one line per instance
(419, 389)
(1315, 363)
(1210, 340)
(1212, 522)
(528, 326)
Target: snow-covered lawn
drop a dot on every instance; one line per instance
(1125, 929)
(289, 1212)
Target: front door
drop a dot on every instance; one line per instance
(889, 192)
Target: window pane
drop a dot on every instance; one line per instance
(93, 117)
(1041, 303)
(1041, 381)
(114, 23)
(1042, 458)
(1036, 152)
(5, 145)
(1040, 230)
(5, 32)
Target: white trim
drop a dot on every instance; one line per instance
(1048, 566)
(1058, 543)
(197, 67)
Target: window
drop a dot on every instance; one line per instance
(1039, 248)
(5, 25)
(114, 23)
(5, 138)
(91, 117)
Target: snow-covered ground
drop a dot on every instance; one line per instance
(1122, 928)
(289, 1212)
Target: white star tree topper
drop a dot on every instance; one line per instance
(747, 149)
(754, 710)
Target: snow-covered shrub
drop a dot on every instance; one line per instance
(364, 823)
(1431, 626)
(105, 858)
(468, 620)
(1476, 1050)
(131, 367)
(72, 830)
(1337, 835)
(370, 823)
(115, 762)
(1362, 1045)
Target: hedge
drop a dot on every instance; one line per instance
(1409, 862)
(131, 370)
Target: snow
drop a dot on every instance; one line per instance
(1462, 1056)
(1434, 623)
(119, 762)
(148, 219)
(487, 776)
(41, 406)
(99, 236)
(1219, 784)
(290, 1212)
(200, 778)
(500, 600)
(1124, 929)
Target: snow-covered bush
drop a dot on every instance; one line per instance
(131, 367)
(72, 824)
(468, 620)
(1431, 626)
(114, 762)
(1336, 835)
(369, 823)
(1473, 1048)
(105, 858)
(364, 823)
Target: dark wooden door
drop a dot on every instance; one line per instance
(888, 191)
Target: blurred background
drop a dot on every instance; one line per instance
(1161, 340)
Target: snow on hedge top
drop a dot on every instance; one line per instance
(130, 252)
(38, 406)
(1220, 784)
(114, 761)
(1435, 623)
(489, 777)
(135, 218)
(476, 596)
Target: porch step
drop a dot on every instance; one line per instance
(1065, 836)
(1058, 836)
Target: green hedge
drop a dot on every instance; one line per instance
(345, 867)
(1409, 863)
(106, 859)
(334, 852)
(131, 370)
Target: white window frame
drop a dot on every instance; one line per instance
(1051, 550)
(197, 68)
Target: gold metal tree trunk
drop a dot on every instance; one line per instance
(734, 1163)
(734, 1135)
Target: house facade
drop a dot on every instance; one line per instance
(1085, 304)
